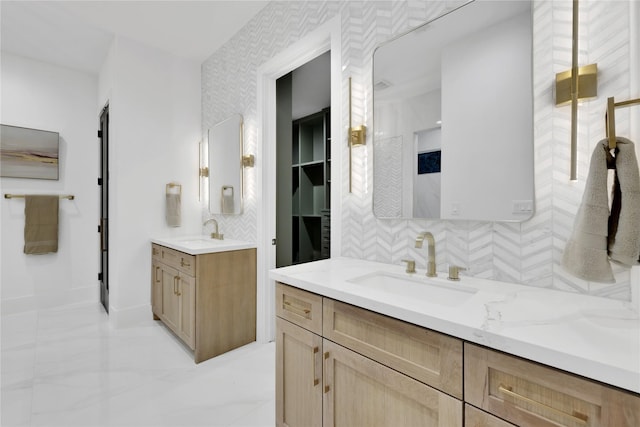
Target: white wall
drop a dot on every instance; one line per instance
(43, 96)
(154, 107)
(528, 253)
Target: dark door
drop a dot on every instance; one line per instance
(103, 182)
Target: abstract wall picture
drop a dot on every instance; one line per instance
(28, 153)
(429, 162)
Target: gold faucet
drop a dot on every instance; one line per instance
(215, 234)
(431, 251)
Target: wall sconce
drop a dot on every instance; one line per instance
(248, 161)
(575, 84)
(357, 136)
(203, 171)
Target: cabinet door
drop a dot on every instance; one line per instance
(361, 392)
(187, 318)
(170, 309)
(156, 289)
(298, 376)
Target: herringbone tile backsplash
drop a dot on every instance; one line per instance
(528, 252)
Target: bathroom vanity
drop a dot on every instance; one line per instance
(363, 343)
(204, 291)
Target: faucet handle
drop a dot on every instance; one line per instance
(453, 272)
(411, 265)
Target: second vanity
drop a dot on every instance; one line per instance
(364, 343)
(204, 291)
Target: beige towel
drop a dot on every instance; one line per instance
(227, 201)
(41, 224)
(173, 210)
(585, 255)
(624, 222)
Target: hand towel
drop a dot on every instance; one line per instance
(585, 255)
(173, 209)
(41, 224)
(228, 203)
(624, 221)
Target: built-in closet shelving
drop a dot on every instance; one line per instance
(311, 187)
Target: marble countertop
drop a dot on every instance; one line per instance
(594, 337)
(201, 244)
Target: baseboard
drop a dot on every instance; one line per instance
(50, 300)
(129, 316)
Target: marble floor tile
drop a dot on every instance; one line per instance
(68, 367)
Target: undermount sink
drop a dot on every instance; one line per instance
(422, 289)
(199, 241)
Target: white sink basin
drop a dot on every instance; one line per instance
(417, 288)
(190, 242)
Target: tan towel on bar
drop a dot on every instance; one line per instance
(173, 208)
(41, 224)
(624, 221)
(228, 204)
(585, 255)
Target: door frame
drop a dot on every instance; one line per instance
(104, 205)
(326, 37)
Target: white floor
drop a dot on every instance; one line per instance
(67, 367)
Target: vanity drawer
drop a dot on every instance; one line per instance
(430, 357)
(474, 417)
(300, 307)
(529, 394)
(181, 261)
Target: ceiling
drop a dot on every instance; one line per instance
(78, 34)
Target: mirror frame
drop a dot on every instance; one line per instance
(212, 170)
(527, 207)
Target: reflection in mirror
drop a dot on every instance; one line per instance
(453, 117)
(225, 166)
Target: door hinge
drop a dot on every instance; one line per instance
(99, 134)
(99, 229)
(273, 242)
(100, 276)
(99, 181)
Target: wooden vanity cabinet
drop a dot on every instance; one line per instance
(208, 300)
(528, 394)
(322, 382)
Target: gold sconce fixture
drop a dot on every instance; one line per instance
(203, 171)
(248, 160)
(575, 84)
(357, 136)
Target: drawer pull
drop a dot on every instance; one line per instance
(316, 381)
(576, 416)
(184, 264)
(305, 310)
(157, 269)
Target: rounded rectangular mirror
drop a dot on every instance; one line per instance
(225, 166)
(453, 117)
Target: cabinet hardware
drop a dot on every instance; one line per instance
(175, 285)
(305, 310)
(324, 373)
(576, 416)
(184, 264)
(155, 251)
(316, 381)
(157, 268)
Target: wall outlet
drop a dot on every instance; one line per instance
(522, 206)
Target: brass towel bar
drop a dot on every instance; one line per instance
(610, 117)
(22, 196)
